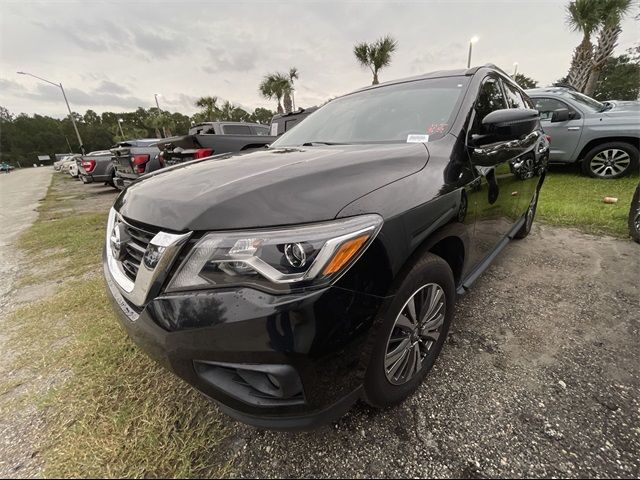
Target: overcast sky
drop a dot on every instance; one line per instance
(115, 55)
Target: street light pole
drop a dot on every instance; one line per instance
(471, 42)
(120, 125)
(73, 120)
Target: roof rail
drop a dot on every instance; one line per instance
(473, 70)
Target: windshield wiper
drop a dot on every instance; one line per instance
(311, 144)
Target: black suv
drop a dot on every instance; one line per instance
(289, 282)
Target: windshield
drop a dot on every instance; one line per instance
(383, 115)
(587, 102)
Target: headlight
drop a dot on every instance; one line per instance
(277, 259)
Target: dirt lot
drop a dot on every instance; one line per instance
(22, 429)
(540, 377)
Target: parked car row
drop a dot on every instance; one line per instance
(127, 161)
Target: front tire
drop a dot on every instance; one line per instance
(413, 330)
(610, 160)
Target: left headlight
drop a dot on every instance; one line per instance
(277, 259)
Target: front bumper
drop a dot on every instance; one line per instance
(217, 339)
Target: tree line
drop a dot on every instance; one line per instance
(23, 137)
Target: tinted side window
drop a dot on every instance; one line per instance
(514, 98)
(261, 130)
(288, 125)
(546, 107)
(236, 130)
(490, 98)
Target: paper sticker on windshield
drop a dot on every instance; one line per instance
(414, 138)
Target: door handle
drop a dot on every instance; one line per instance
(573, 128)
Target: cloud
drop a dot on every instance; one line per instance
(98, 96)
(111, 87)
(115, 55)
(226, 61)
(158, 46)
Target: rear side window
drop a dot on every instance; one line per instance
(236, 130)
(290, 124)
(514, 97)
(261, 130)
(546, 107)
(490, 98)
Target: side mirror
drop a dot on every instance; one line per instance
(560, 115)
(510, 123)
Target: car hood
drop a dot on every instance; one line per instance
(267, 187)
(624, 106)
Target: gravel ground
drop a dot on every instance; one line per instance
(20, 192)
(540, 377)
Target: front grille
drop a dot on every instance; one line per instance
(135, 248)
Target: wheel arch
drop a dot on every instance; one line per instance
(633, 141)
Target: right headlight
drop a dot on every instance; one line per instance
(277, 259)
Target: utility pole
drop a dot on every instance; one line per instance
(73, 120)
(156, 95)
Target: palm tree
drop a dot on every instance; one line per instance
(226, 111)
(611, 13)
(276, 85)
(210, 107)
(375, 55)
(293, 75)
(582, 16)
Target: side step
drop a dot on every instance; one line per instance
(473, 276)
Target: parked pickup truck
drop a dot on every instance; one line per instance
(603, 137)
(134, 158)
(283, 122)
(96, 167)
(210, 138)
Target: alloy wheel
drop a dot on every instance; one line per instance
(610, 163)
(416, 330)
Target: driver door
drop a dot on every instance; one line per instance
(496, 188)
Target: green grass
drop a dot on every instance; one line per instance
(68, 240)
(112, 411)
(117, 414)
(568, 199)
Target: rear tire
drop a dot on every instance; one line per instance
(610, 160)
(419, 342)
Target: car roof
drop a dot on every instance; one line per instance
(547, 90)
(460, 72)
(224, 122)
